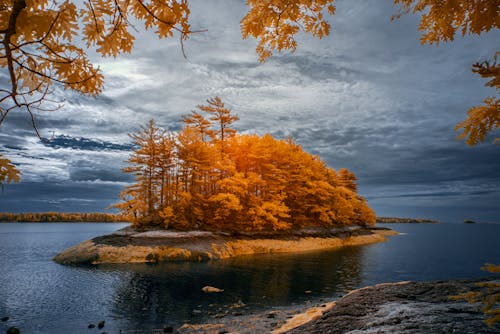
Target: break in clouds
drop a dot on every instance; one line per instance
(368, 98)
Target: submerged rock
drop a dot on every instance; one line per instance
(168, 329)
(4, 319)
(101, 323)
(13, 330)
(211, 289)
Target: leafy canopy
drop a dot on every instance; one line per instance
(208, 176)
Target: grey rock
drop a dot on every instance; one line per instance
(13, 330)
(406, 307)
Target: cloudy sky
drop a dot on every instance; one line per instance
(368, 98)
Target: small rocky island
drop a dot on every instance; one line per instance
(208, 192)
(129, 245)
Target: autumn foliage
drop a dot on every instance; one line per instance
(209, 177)
(8, 172)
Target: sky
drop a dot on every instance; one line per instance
(368, 97)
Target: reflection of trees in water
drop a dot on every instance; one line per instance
(168, 293)
(276, 279)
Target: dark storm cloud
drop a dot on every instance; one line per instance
(88, 170)
(81, 143)
(65, 196)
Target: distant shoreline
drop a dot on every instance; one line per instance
(65, 222)
(396, 220)
(60, 217)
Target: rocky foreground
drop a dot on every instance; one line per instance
(131, 246)
(404, 307)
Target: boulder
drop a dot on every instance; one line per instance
(211, 289)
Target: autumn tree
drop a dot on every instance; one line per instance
(8, 172)
(143, 200)
(258, 183)
(222, 117)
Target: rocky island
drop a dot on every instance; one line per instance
(129, 245)
(208, 192)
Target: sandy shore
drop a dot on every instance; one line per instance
(130, 246)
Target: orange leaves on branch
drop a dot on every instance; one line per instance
(275, 23)
(8, 172)
(484, 118)
(441, 19)
(480, 121)
(38, 46)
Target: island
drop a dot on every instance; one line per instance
(131, 246)
(395, 220)
(208, 192)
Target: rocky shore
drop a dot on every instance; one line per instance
(131, 246)
(403, 307)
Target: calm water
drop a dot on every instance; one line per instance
(41, 296)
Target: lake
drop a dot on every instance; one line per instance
(41, 296)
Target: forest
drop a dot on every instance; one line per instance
(207, 176)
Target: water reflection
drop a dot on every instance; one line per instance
(171, 292)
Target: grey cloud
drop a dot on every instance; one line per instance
(63, 196)
(81, 143)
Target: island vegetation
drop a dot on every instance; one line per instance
(209, 177)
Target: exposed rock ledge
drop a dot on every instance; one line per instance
(130, 246)
(404, 307)
(389, 308)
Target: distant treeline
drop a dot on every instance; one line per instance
(42, 217)
(405, 220)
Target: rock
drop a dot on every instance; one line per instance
(211, 289)
(101, 323)
(404, 307)
(168, 329)
(4, 319)
(196, 312)
(238, 304)
(13, 330)
(271, 315)
(91, 326)
(166, 246)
